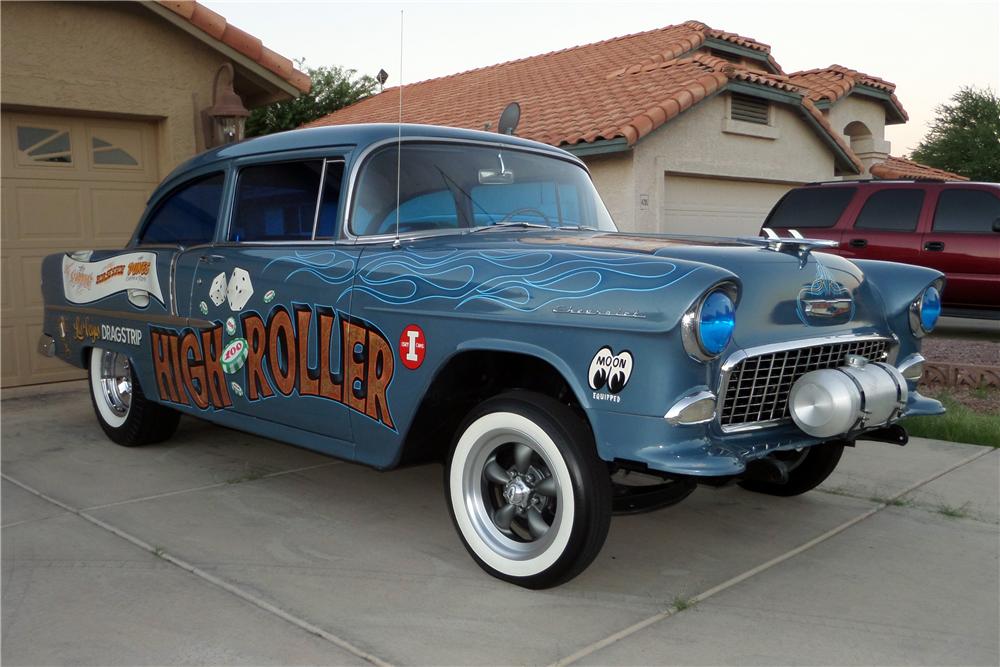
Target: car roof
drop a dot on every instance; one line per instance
(359, 135)
(898, 181)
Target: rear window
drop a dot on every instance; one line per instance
(891, 210)
(186, 216)
(966, 211)
(810, 207)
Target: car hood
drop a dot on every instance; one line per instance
(789, 294)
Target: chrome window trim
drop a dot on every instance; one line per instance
(359, 161)
(735, 358)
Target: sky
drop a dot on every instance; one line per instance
(928, 49)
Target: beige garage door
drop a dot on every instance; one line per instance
(698, 205)
(68, 183)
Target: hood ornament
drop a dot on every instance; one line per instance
(824, 300)
(795, 244)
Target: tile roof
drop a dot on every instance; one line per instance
(833, 82)
(623, 87)
(216, 26)
(901, 168)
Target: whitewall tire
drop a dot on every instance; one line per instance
(527, 493)
(122, 409)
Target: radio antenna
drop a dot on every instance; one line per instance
(399, 128)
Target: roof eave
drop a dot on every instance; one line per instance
(735, 49)
(598, 147)
(265, 77)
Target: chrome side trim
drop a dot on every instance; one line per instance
(151, 318)
(675, 414)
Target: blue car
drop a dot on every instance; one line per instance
(395, 295)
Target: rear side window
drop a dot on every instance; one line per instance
(891, 210)
(188, 215)
(276, 202)
(966, 211)
(810, 207)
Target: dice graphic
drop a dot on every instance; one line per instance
(218, 291)
(240, 289)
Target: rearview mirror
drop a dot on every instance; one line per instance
(494, 177)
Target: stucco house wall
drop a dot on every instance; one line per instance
(108, 59)
(848, 115)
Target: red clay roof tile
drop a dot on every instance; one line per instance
(624, 87)
(901, 168)
(833, 82)
(216, 27)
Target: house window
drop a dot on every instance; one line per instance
(106, 153)
(749, 109)
(43, 144)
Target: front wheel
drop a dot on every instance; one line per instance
(526, 491)
(124, 412)
(807, 468)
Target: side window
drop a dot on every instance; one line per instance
(891, 210)
(276, 202)
(326, 224)
(966, 211)
(810, 207)
(188, 215)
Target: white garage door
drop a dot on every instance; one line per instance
(715, 206)
(68, 183)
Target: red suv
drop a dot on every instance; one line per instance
(950, 226)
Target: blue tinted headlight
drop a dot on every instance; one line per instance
(930, 308)
(716, 321)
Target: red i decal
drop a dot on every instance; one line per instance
(412, 347)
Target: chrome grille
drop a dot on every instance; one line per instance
(755, 390)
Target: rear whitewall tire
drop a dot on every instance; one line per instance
(126, 416)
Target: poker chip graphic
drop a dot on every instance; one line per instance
(234, 355)
(238, 390)
(269, 296)
(231, 326)
(203, 307)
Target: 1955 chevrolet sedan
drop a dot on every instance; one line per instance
(484, 311)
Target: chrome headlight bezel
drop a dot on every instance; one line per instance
(691, 322)
(917, 310)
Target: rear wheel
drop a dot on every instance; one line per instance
(124, 412)
(526, 491)
(807, 468)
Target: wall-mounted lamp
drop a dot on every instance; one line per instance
(225, 120)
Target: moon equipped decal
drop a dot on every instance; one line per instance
(611, 372)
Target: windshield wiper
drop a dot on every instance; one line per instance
(531, 225)
(575, 228)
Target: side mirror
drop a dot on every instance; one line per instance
(996, 225)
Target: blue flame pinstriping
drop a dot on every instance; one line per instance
(520, 280)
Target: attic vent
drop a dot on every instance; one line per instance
(731, 57)
(749, 109)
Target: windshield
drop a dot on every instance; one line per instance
(458, 187)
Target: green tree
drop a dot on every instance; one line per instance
(332, 88)
(965, 136)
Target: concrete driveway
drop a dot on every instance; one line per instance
(223, 548)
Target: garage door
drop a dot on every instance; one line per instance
(698, 205)
(68, 183)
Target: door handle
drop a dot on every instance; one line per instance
(934, 246)
(210, 259)
(858, 243)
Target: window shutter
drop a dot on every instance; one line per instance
(749, 109)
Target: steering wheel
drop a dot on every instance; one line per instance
(526, 209)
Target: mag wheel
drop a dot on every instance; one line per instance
(526, 491)
(124, 412)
